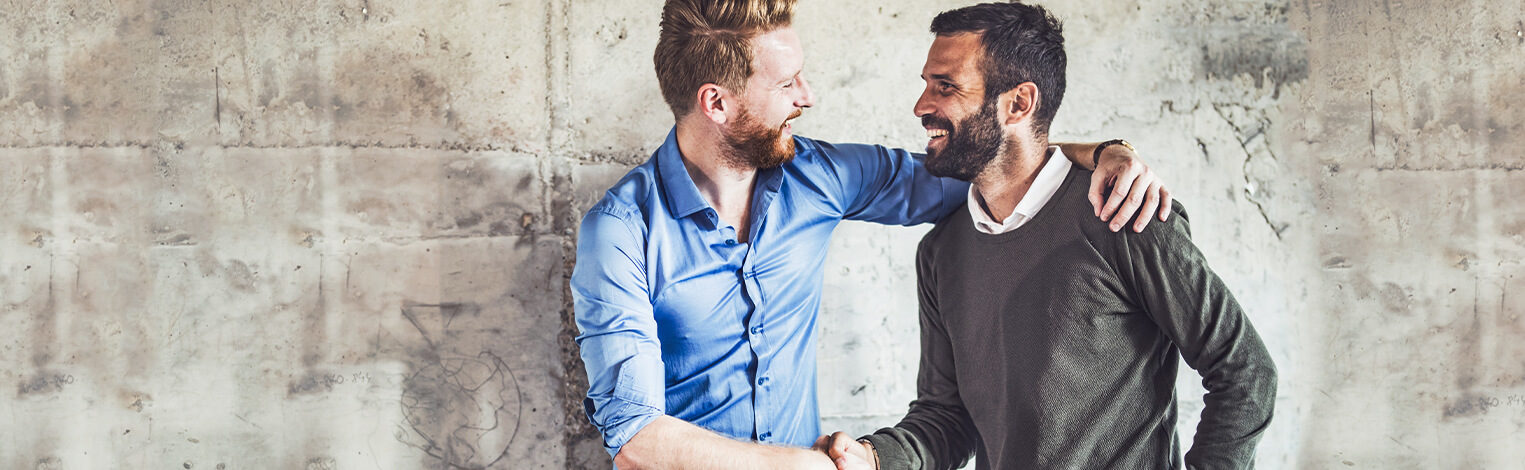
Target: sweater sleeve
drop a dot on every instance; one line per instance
(1195, 310)
(937, 432)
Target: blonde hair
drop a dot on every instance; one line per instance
(707, 41)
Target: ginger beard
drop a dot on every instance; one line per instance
(750, 144)
(971, 145)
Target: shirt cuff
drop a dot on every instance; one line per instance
(617, 434)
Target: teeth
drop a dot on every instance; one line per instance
(935, 133)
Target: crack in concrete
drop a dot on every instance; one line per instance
(574, 383)
(1485, 167)
(1245, 168)
(1371, 110)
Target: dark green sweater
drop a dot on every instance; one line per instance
(1055, 345)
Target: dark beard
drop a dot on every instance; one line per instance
(971, 145)
(754, 145)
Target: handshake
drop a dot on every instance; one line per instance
(846, 452)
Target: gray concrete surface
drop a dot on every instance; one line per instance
(336, 234)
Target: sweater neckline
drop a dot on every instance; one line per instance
(1042, 217)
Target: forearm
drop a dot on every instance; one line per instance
(672, 444)
(1237, 372)
(1240, 400)
(1080, 153)
(930, 437)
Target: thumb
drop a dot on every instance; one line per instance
(840, 442)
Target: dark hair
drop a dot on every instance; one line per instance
(1022, 43)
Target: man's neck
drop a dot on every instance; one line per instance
(727, 188)
(1007, 179)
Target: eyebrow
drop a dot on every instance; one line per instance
(939, 76)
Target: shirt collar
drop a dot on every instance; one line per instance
(682, 195)
(1045, 184)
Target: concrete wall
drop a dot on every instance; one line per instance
(336, 233)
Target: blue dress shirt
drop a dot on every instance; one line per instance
(676, 315)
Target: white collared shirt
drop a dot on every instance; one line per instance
(1049, 178)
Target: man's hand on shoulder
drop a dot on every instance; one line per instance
(1122, 184)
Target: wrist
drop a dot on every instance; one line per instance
(807, 459)
(1096, 155)
(873, 454)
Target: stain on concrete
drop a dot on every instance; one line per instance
(1269, 57)
(1469, 406)
(371, 101)
(134, 400)
(1396, 299)
(315, 383)
(322, 463)
(44, 384)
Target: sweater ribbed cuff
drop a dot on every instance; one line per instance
(891, 451)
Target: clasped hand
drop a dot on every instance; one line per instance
(846, 452)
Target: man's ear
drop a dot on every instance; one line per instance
(713, 102)
(1020, 104)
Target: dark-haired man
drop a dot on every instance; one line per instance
(698, 275)
(1049, 341)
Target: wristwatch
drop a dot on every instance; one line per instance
(1096, 155)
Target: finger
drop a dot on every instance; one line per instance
(1165, 203)
(1121, 186)
(1131, 203)
(1151, 204)
(1097, 195)
(840, 443)
(852, 462)
(821, 442)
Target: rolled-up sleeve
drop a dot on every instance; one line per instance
(617, 332)
(889, 186)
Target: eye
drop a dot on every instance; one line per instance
(945, 87)
(789, 84)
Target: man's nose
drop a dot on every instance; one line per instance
(923, 105)
(807, 96)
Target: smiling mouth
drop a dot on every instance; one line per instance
(936, 133)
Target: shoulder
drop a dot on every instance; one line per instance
(812, 153)
(947, 231)
(1073, 208)
(1174, 231)
(624, 206)
(1159, 236)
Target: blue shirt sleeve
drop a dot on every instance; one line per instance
(888, 186)
(617, 330)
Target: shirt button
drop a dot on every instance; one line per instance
(765, 436)
(730, 242)
(762, 380)
(756, 330)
